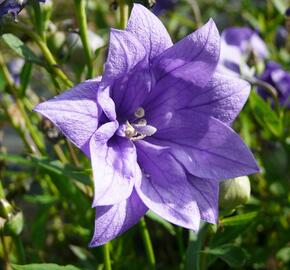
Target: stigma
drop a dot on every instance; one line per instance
(139, 129)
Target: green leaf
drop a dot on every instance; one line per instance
(25, 76)
(20, 48)
(239, 220)
(265, 116)
(2, 82)
(233, 255)
(280, 5)
(43, 266)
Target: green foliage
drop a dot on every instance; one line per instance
(44, 266)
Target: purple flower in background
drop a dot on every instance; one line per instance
(156, 126)
(281, 37)
(162, 6)
(15, 66)
(237, 45)
(278, 78)
(13, 6)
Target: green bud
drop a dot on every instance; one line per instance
(234, 192)
(14, 225)
(6, 209)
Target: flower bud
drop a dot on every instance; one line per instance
(234, 192)
(14, 225)
(6, 209)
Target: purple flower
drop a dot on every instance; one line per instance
(13, 6)
(237, 45)
(162, 6)
(281, 37)
(156, 127)
(278, 78)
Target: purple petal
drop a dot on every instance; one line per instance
(193, 59)
(205, 193)
(149, 30)
(205, 146)
(113, 220)
(164, 187)
(125, 52)
(114, 165)
(126, 72)
(223, 98)
(75, 113)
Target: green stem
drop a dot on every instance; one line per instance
(20, 250)
(5, 255)
(147, 243)
(267, 87)
(83, 27)
(51, 61)
(124, 11)
(4, 104)
(106, 254)
(44, 49)
(39, 22)
(11, 88)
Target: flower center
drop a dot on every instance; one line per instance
(139, 129)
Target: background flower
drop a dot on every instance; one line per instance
(276, 76)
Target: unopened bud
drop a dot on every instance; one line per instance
(6, 209)
(234, 192)
(14, 225)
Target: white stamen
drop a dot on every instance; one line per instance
(140, 112)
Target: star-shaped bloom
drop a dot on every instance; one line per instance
(156, 127)
(275, 75)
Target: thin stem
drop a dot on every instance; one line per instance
(124, 10)
(83, 27)
(196, 12)
(6, 256)
(27, 141)
(51, 61)
(11, 88)
(267, 87)
(60, 153)
(147, 243)
(39, 22)
(73, 154)
(44, 49)
(20, 249)
(106, 254)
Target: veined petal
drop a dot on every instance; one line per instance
(149, 30)
(126, 72)
(205, 146)
(75, 112)
(205, 193)
(114, 165)
(192, 59)
(113, 220)
(222, 98)
(125, 52)
(164, 187)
